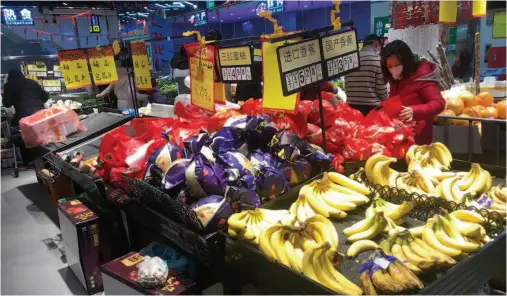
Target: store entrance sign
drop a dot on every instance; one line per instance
(74, 68)
(102, 64)
(17, 17)
(142, 73)
(341, 55)
(275, 5)
(235, 63)
(300, 65)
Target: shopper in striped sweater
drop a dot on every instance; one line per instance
(365, 87)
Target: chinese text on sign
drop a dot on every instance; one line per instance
(102, 64)
(340, 53)
(74, 68)
(142, 74)
(235, 63)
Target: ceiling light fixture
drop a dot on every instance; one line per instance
(65, 4)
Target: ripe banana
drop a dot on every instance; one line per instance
(361, 246)
(384, 283)
(374, 226)
(377, 169)
(430, 238)
(367, 284)
(349, 183)
(468, 216)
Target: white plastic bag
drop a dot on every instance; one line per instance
(152, 272)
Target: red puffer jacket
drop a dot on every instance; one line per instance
(421, 92)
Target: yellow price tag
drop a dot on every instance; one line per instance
(141, 67)
(52, 82)
(273, 99)
(74, 68)
(202, 84)
(103, 66)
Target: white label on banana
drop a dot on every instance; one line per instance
(381, 262)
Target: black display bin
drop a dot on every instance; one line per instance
(245, 264)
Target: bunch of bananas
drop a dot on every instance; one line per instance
(498, 194)
(435, 156)
(286, 243)
(395, 278)
(331, 196)
(476, 181)
(414, 252)
(395, 212)
(318, 265)
(248, 224)
(368, 228)
(377, 170)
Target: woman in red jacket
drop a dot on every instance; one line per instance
(417, 84)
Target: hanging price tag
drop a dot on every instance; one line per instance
(202, 84)
(235, 63)
(57, 72)
(74, 68)
(103, 66)
(273, 98)
(141, 68)
(340, 53)
(300, 65)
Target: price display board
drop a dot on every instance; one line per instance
(94, 24)
(142, 73)
(273, 99)
(52, 85)
(57, 72)
(202, 84)
(235, 63)
(103, 66)
(37, 69)
(300, 65)
(74, 68)
(340, 52)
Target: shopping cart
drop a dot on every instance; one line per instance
(7, 139)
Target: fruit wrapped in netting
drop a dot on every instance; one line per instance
(152, 272)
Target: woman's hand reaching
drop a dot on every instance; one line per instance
(406, 114)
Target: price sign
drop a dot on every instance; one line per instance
(94, 24)
(273, 98)
(103, 66)
(235, 64)
(220, 93)
(74, 68)
(57, 72)
(202, 83)
(37, 69)
(340, 53)
(141, 68)
(52, 85)
(300, 65)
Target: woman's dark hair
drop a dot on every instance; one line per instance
(404, 54)
(15, 76)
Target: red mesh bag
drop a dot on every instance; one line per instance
(251, 107)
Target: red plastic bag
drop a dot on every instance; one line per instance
(337, 163)
(222, 116)
(146, 129)
(252, 107)
(314, 114)
(115, 147)
(314, 134)
(391, 106)
(295, 122)
(188, 112)
(51, 125)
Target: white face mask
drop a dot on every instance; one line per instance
(396, 72)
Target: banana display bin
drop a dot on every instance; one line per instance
(245, 264)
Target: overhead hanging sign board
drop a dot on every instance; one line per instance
(340, 52)
(273, 99)
(202, 82)
(37, 69)
(142, 73)
(102, 64)
(74, 68)
(300, 65)
(235, 63)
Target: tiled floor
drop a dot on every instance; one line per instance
(33, 261)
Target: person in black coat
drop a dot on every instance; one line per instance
(26, 95)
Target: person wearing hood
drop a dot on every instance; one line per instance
(26, 95)
(417, 85)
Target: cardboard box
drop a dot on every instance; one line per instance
(84, 248)
(120, 278)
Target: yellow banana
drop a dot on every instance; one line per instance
(379, 224)
(361, 246)
(430, 238)
(349, 183)
(423, 263)
(367, 284)
(238, 220)
(468, 216)
(397, 252)
(370, 164)
(360, 226)
(264, 242)
(292, 256)
(412, 281)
